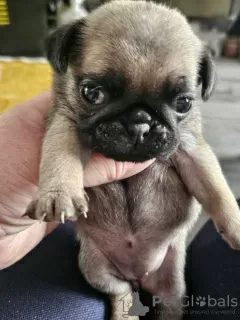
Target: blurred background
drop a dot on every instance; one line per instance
(25, 73)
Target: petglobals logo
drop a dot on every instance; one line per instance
(211, 302)
(202, 302)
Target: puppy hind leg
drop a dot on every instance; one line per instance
(172, 307)
(167, 284)
(119, 292)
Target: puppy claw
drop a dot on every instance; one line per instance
(81, 206)
(43, 217)
(58, 207)
(63, 216)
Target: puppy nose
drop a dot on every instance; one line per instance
(139, 124)
(139, 131)
(140, 116)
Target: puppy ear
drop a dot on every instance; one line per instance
(61, 46)
(207, 74)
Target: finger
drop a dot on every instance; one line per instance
(23, 129)
(130, 168)
(16, 246)
(35, 111)
(101, 170)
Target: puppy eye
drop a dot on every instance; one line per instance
(93, 95)
(183, 104)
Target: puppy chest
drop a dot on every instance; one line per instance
(151, 204)
(158, 201)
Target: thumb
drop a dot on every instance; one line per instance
(100, 170)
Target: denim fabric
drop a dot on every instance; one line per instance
(47, 285)
(213, 271)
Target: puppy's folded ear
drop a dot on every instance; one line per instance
(207, 74)
(62, 46)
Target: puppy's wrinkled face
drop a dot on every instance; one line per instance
(130, 73)
(129, 124)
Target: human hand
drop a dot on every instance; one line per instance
(21, 133)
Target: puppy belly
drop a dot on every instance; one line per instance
(131, 225)
(119, 259)
(135, 263)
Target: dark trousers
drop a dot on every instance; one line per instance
(47, 285)
(213, 278)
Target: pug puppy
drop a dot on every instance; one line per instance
(125, 85)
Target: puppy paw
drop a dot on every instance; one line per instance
(231, 233)
(58, 206)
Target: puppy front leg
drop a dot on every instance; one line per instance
(121, 306)
(61, 193)
(203, 176)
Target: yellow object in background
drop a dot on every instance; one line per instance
(20, 81)
(4, 16)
